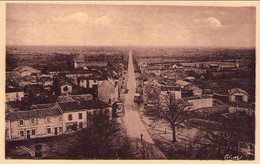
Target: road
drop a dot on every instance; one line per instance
(145, 148)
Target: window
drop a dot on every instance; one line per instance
(65, 88)
(48, 130)
(60, 118)
(21, 133)
(32, 121)
(60, 129)
(48, 120)
(33, 132)
(70, 117)
(81, 125)
(80, 115)
(21, 122)
(7, 133)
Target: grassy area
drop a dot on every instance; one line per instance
(191, 137)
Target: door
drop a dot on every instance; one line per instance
(74, 127)
(56, 131)
(28, 134)
(239, 98)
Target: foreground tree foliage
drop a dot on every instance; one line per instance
(101, 140)
(214, 142)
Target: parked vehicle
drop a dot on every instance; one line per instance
(137, 98)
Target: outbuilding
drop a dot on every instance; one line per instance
(238, 95)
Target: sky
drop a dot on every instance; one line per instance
(130, 25)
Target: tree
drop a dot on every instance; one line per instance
(103, 139)
(173, 111)
(191, 73)
(217, 141)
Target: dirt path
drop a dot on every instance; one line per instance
(145, 148)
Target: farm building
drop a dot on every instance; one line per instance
(238, 95)
(190, 78)
(196, 90)
(13, 92)
(199, 101)
(27, 71)
(184, 84)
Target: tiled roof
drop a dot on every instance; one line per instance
(93, 78)
(42, 106)
(152, 98)
(155, 67)
(71, 98)
(63, 81)
(182, 83)
(83, 105)
(12, 86)
(190, 78)
(70, 106)
(94, 104)
(237, 90)
(170, 88)
(152, 89)
(13, 74)
(26, 68)
(192, 98)
(37, 113)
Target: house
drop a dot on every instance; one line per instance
(199, 101)
(103, 85)
(238, 95)
(152, 100)
(207, 92)
(81, 62)
(156, 69)
(46, 80)
(75, 114)
(184, 84)
(248, 111)
(72, 98)
(35, 123)
(167, 93)
(43, 120)
(142, 67)
(62, 86)
(27, 71)
(13, 74)
(76, 74)
(197, 91)
(151, 96)
(108, 91)
(190, 78)
(13, 92)
(88, 82)
(165, 90)
(214, 66)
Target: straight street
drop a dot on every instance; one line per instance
(145, 148)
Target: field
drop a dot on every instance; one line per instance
(57, 58)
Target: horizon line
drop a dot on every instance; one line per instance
(166, 46)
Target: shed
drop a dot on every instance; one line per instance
(238, 95)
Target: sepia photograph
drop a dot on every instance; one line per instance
(129, 81)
